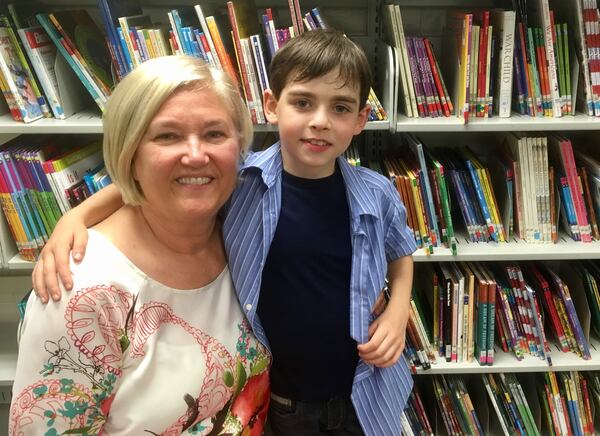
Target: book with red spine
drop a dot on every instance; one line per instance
(236, 32)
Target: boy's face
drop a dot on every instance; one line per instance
(317, 120)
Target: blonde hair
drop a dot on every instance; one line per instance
(137, 99)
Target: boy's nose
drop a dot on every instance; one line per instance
(320, 119)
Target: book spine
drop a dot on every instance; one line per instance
(220, 48)
(206, 31)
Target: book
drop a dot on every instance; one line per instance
(42, 53)
(87, 43)
(18, 80)
(99, 97)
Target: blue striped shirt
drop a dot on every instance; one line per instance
(379, 235)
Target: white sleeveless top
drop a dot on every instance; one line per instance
(122, 354)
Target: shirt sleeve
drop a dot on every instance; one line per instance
(399, 238)
(69, 361)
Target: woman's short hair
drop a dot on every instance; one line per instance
(137, 99)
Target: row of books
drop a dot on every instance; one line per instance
(460, 311)
(561, 403)
(545, 48)
(30, 64)
(526, 189)
(456, 406)
(510, 404)
(424, 89)
(414, 418)
(42, 52)
(40, 180)
(587, 30)
(544, 80)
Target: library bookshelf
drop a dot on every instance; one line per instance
(360, 19)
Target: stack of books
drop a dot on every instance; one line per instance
(418, 349)
(576, 215)
(421, 182)
(19, 86)
(479, 47)
(531, 187)
(587, 22)
(414, 419)
(469, 305)
(519, 317)
(462, 298)
(510, 404)
(424, 92)
(45, 52)
(566, 401)
(543, 66)
(39, 183)
(82, 45)
(534, 198)
(456, 406)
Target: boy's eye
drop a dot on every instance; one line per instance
(339, 108)
(302, 104)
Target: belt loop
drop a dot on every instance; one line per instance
(281, 400)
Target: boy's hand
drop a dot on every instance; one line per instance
(69, 235)
(386, 338)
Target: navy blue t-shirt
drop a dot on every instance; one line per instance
(304, 303)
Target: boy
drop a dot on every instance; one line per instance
(310, 240)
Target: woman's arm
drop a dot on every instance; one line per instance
(70, 236)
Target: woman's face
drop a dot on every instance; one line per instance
(186, 163)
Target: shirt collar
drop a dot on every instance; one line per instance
(270, 164)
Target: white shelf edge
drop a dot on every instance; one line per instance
(86, 121)
(90, 121)
(507, 362)
(515, 122)
(565, 249)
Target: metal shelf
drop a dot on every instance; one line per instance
(507, 362)
(87, 121)
(90, 121)
(516, 122)
(517, 249)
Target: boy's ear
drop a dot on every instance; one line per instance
(270, 106)
(363, 117)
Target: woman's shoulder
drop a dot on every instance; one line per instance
(103, 263)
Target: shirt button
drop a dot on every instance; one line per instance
(248, 307)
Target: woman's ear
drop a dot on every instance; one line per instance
(270, 106)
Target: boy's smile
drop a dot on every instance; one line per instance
(317, 120)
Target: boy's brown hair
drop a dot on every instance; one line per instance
(314, 54)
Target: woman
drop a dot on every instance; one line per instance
(152, 340)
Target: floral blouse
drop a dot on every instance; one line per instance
(122, 354)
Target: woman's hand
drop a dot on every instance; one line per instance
(69, 236)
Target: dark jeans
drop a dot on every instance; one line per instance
(335, 417)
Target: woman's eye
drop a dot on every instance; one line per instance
(215, 134)
(166, 136)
